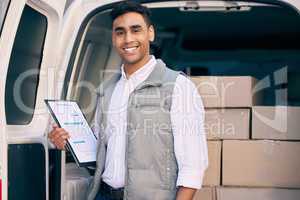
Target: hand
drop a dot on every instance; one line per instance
(58, 136)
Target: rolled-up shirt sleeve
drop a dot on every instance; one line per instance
(190, 146)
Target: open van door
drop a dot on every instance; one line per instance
(29, 36)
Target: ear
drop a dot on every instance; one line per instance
(151, 32)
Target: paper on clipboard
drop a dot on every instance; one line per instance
(82, 141)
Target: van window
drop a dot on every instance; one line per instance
(24, 66)
(92, 58)
(4, 4)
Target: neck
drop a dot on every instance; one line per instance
(131, 68)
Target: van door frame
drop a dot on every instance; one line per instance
(14, 134)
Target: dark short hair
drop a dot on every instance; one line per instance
(131, 6)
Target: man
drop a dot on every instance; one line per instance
(149, 118)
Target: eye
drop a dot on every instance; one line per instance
(119, 32)
(136, 30)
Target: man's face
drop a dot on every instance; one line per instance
(131, 37)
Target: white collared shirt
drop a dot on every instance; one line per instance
(187, 118)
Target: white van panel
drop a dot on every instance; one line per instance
(6, 43)
(35, 131)
(293, 3)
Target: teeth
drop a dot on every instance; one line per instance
(130, 49)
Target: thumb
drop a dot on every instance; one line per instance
(54, 126)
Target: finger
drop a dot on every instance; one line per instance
(62, 139)
(58, 144)
(55, 136)
(61, 145)
(60, 129)
(53, 131)
(54, 126)
(51, 134)
(59, 132)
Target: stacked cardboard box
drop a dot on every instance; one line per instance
(276, 122)
(212, 175)
(227, 91)
(246, 193)
(227, 123)
(261, 163)
(230, 193)
(259, 145)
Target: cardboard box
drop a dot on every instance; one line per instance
(226, 91)
(212, 175)
(205, 193)
(227, 123)
(276, 122)
(261, 163)
(224, 193)
(77, 182)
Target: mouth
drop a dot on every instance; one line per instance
(130, 49)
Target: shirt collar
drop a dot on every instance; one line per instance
(141, 73)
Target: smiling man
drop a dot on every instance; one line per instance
(131, 35)
(152, 144)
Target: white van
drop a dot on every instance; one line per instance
(61, 49)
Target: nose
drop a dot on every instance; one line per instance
(128, 37)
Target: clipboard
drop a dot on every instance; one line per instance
(83, 142)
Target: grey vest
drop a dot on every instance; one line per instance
(151, 166)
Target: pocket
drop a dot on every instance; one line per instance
(149, 102)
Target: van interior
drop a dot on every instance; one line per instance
(256, 39)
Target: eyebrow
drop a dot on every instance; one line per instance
(120, 28)
(135, 26)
